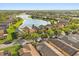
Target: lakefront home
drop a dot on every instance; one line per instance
(29, 30)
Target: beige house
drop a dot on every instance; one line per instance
(60, 25)
(29, 30)
(28, 50)
(2, 53)
(1, 32)
(5, 53)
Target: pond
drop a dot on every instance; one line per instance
(29, 22)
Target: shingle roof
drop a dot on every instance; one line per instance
(72, 39)
(64, 47)
(28, 50)
(46, 49)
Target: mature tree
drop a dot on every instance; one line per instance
(44, 35)
(34, 35)
(50, 32)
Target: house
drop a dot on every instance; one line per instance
(3, 26)
(32, 30)
(62, 22)
(39, 39)
(60, 25)
(2, 53)
(10, 20)
(41, 27)
(46, 49)
(29, 30)
(5, 53)
(23, 41)
(24, 52)
(48, 26)
(75, 17)
(64, 47)
(77, 54)
(71, 39)
(28, 50)
(2, 33)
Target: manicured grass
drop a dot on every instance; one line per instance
(12, 29)
(18, 23)
(13, 49)
(2, 41)
(9, 37)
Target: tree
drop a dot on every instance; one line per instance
(44, 35)
(53, 22)
(67, 30)
(74, 26)
(10, 30)
(50, 32)
(26, 36)
(9, 37)
(34, 35)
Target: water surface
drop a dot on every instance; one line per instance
(29, 22)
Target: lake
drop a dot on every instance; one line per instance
(29, 21)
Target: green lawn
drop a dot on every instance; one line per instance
(11, 31)
(2, 41)
(13, 49)
(18, 23)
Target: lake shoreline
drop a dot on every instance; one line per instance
(29, 21)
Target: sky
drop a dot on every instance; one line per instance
(39, 6)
